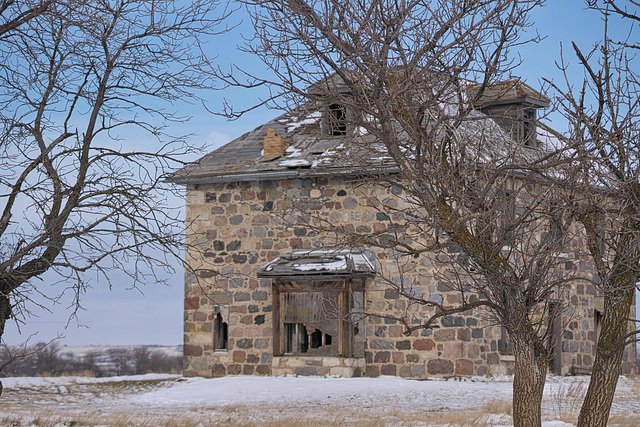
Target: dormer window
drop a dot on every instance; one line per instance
(336, 120)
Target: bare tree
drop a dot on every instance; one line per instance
(397, 77)
(78, 83)
(89, 363)
(13, 14)
(162, 362)
(141, 360)
(48, 359)
(603, 113)
(121, 360)
(20, 360)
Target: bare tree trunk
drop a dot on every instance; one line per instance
(528, 382)
(5, 308)
(606, 368)
(5, 313)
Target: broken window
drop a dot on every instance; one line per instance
(318, 319)
(318, 302)
(311, 319)
(220, 327)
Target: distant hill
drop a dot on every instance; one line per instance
(83, 350)
(91, 360)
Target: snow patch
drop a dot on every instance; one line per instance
(294, 163)
(339, 265)
(22, 382)
(293, 152)
(309, 120)
(548, 140)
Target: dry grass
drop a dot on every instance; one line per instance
(624, 419)
(250, 416)
(186, 419)
(635, 385)
(566, 400)
(100, 404)
(499, 406)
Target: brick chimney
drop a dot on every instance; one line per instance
(274, 144)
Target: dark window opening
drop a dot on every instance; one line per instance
(316, 339)
(337, 120)
(529, 133)
(327, 339)
(506, 213)
(597, 323)
(296, 339)
(554, 338)
(504, 345)
(221, 333)
(555, 230)
(602, 236)
(220, 328)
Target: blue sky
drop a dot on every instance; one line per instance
(153, 314)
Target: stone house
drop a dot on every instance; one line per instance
(267, 296)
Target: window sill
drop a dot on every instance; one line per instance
(507, 358)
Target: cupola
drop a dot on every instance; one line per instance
(513, 105)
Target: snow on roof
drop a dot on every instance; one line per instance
(312, 118)
(548, 140)
(312, 153)
(352, 262)
(294, 163)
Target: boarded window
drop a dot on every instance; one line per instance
(318, 320)
(357, 323)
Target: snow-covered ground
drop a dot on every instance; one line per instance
(251, 400)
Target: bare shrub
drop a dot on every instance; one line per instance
(566, 399)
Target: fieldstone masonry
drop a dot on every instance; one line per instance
(235, 228)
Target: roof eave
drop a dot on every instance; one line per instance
(523, 100)
(277, 175)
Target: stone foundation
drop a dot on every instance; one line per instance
(319, 365)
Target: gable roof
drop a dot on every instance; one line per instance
(510, 92)
(309, 153)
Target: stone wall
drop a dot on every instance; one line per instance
(235, 228)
